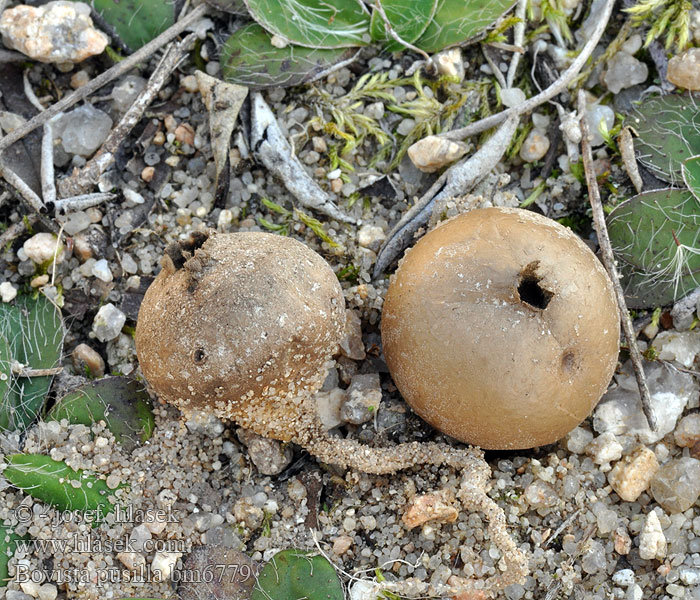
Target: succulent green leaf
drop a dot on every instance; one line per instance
(456, 21)
(668, 130)
(8, 544)
(136, 22)
(294, 574)
(55, 483)
(691, 175)
(408, 18)
(656, 239)
(34, 329)
(122, 403)
(314, 23)
(249, 58)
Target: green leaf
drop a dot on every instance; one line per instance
(656, 239)
(249, 58)
(294, 574)
(136, 22)
(314, 23)
(457, 21)
(8, 544)
(55, 483)
(34, 329)
(408, 18)
(668, 133)
(122, 403)
(691, 175)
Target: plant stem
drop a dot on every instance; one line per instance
(609, 262)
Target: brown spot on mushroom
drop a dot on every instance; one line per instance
(501, 329)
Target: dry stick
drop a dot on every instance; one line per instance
(392, 32)
(22, 188)
(609, 262)
(116, 71)
(82, 180)
(518, 36)
(17, 229)
(553, 90)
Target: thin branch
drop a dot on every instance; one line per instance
(81, 181)
(494, 67)
(116, 71)
(16, 229)
(518, 37)
(430, 65)
(66, 205)
(609, 262)
(48, 184)
(7, 56)
(25, 192)
(553, 90)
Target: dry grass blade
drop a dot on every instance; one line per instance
(609, 262)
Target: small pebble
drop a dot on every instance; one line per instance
(686, 435)
(433, 152)
(652, 542)
(624, 71)
(623, 578)
(622, 541)
(512, 97)
(108, 322)
(342, 544)
(450, 63)
(184, 133)
(435, 506)
(632, 475)
(102, 271)
(405, 127)
(605, 448)
(56, 32)
(85, 358)
(540, 494)
(362, 399)
(319, 144)
(534, 147)
(578, 439)
(271, 457)
(676, 485)
(42, 247)
(8, 292)
(684, 69)
(126, 91)
(39, 281)
(79, 79)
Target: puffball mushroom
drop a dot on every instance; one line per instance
(501, 329)
(241, 325)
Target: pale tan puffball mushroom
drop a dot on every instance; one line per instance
(241, 325)
(501, 329)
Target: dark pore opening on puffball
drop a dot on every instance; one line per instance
(530, 290)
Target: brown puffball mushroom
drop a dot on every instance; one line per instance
(500, 328)
(241, 325)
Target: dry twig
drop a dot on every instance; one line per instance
(82, 180)
(116, 71)
(16, 229)
(609, 262)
